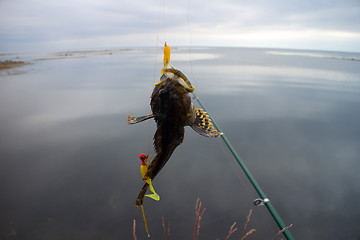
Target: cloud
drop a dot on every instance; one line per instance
(125, 23)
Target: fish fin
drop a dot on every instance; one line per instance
(203, 125)
(134, 120)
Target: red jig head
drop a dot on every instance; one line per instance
(143, 157)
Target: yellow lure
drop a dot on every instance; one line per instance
(143, 170)
(166, 57)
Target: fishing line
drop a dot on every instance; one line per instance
(190, 39)
(223, 147)
(161, 21)
(265, 200)
(163, 18)
(267, 226)
(249, 191)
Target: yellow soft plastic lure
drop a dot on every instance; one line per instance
(143, 169)
(166, 57)
(166, 60)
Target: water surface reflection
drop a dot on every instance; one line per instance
(69, 166)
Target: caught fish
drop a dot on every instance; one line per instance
(172, 110)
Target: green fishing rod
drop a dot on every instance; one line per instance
(264, 200)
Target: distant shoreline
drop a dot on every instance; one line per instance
(8, 64)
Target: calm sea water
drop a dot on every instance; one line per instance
(69, 165)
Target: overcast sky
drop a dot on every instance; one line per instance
(33, 25)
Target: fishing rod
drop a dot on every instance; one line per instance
(263, 200)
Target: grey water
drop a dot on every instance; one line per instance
(69, 166)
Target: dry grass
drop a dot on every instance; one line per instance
(247, 219)
(282, 230)
(198, 217)
(134, 228)
(231, 231)
(197, 220)
(166, 233)
(248, 234)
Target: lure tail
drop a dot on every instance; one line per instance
(154, 195)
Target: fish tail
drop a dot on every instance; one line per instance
(140, 198)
